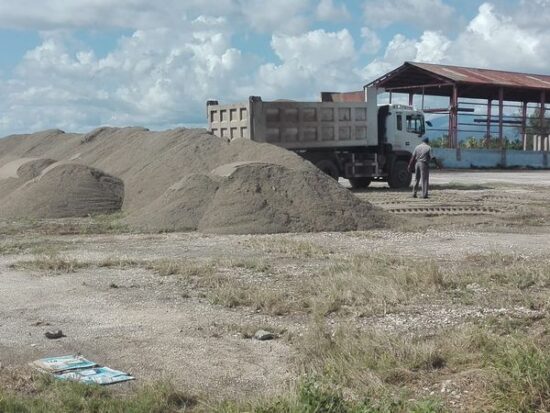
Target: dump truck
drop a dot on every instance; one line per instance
(360, 141)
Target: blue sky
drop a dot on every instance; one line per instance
(86, 63)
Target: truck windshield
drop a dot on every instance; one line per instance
(415, 124)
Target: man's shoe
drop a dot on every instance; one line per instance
(425, 197)
(414, 195)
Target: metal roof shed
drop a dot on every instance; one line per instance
(464, 82)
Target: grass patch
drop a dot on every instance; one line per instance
(251, 264)
(50, 263)
(118, 262)
(46, 247)
(44, 395)
(512, 270)
(60, 264)
(97, 224)
(313, 396)
(374, 283)
(368, 362)
(523, 377)
(106, 224)
(183, 268)
(289, 247)
(501, 372)
(232, 292)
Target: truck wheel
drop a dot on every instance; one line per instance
(328, 167)
(400, 177)
(360, 183)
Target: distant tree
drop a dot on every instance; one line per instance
(534, 127)
(483, 143)
(440, 142)
(472, 143)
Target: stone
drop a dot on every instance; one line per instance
(263, 335)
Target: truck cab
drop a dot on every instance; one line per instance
(405, 127)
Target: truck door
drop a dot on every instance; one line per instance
(397, 134)
(409, 127)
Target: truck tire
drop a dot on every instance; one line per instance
(400, 177)
(328, 167)
(360, 183)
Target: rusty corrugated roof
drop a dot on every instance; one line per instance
(438, 80)
(486, 76)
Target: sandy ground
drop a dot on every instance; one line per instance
(470, 177)
(135, 320)
(539, 178)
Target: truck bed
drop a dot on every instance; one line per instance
(292, 125)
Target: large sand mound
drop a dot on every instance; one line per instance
(257, 198)
(271, 198)
(181, 179)
(65, 190)
(180, 208)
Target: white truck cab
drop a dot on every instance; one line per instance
(405, 127)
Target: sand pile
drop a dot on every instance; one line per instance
(257, 198)
(62, 190)
(186, 179)
(33, 168)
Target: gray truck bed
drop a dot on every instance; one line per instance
(292, 125)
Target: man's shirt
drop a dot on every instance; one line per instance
(423, 153)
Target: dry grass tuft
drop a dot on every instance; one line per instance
(374, 283)
(50, 263)
(289, 247)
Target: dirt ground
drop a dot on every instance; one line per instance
(156, 327)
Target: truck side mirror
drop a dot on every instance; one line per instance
(429, 123)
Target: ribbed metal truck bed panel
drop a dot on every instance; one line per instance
(293, 125)
(230, 121)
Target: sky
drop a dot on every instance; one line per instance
(79, 64)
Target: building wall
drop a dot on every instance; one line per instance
(491, 158)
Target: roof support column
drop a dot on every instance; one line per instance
(543, 132)
(501, 116)
(453, 119)
(524, 125)
(411, 99)
(391, 96)
(501, 126)
(488, 132)
(423, 93)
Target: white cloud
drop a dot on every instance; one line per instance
(533, 14)
(312, 62)
(160, 78)
(426, 14)
(284, 16)
(371, 41)
(310, 49)
(328, 11)
(492, 40)
(130, 14)
(430, 48)
(154, 77)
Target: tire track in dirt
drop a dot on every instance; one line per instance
(489, 202)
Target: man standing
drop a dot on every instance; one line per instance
(420, 160)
